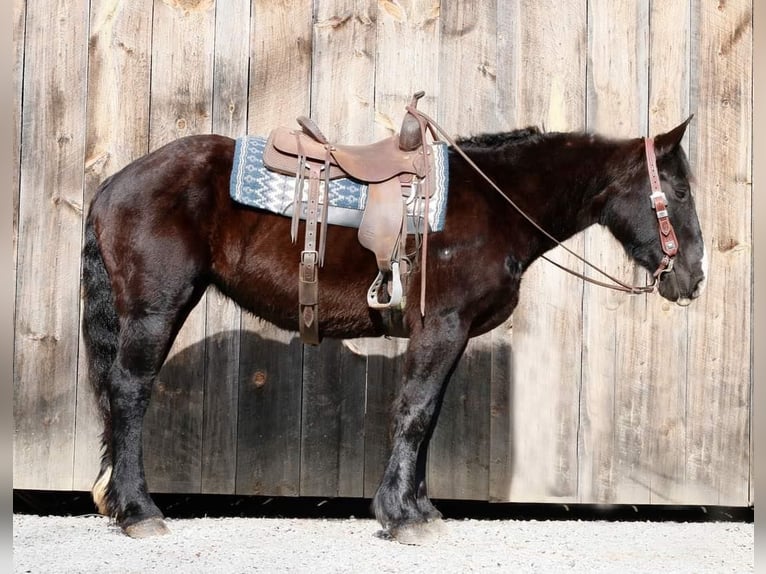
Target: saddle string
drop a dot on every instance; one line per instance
(427, 184)
(618, 286)
(325, 205)
(298, 192)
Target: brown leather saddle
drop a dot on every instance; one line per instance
(396, 169)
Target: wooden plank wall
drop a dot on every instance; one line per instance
(582, 396)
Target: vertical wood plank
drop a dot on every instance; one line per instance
(332, 429)
(720, 344)
(223, 317)
(385, 361)
(458, 458)
(501, 455)
(268, 435)
(18, 40)
(343, 69)
(660, 328)
(269, 429)
(117, 133)
(612, 395)
(49, 225)
(546, 328)
(406, 61)
(342, 95)
(181, 104)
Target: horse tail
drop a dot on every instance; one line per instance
(101, 329)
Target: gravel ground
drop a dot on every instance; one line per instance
(237, 545)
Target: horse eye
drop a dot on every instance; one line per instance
(679, 190)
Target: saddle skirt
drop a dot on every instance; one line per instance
(255, 185)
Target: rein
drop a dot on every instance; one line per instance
(667, 235)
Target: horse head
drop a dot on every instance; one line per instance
(636, 221)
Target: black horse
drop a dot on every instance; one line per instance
(164, 228)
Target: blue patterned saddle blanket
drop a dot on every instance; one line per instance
(254, 185)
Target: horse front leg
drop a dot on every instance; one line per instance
(401, 502)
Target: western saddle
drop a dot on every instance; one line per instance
(397, 170)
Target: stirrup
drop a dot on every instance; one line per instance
(396, 290)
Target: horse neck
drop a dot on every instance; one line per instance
(561, 181)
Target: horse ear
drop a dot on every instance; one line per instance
(667, 142)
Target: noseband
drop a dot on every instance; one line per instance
(668, 240)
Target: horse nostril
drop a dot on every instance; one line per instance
(699, 287)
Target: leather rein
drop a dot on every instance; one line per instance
(667, 235)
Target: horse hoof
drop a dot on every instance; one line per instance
(419, 534)
(147, 528)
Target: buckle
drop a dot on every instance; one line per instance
(653, 198)
(309, 257)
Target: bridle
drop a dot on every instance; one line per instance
(668, 239)
(667, 235)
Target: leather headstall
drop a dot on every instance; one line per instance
(668, 239)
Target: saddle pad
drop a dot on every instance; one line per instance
(254, 185)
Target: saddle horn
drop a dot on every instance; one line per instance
(311, 129)
(410, 137)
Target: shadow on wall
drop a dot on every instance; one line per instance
(243, 412)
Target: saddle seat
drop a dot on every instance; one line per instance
(370, 163)
(389, 167)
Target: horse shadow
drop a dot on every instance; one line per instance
(251, 413)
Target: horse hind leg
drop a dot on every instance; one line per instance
(142, 352)
(144, 345)
(125, 354)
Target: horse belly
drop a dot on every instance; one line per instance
(257, 265)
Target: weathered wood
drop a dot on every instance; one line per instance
(546, 333)
(342, 96)
(50, 230)
(221, 395)
(332, 426)
(501, 455)
(223, 317)
(458, 457)
(117, 133)
(612, 391)
(401, 29)
(407, 59)
(181, 104)
(660, 331)
(385, 361)
(459, 453)
(720, 344)
(343, 70)
(269, 429)
(600, 416)
(19, 17)
(501, 434)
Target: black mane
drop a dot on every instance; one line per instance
(501, 139)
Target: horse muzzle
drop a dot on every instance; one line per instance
(673, 287)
